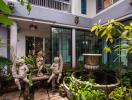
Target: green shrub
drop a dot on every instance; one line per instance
(121, 93)
(4, 62)
(84, 91)
(30, 60)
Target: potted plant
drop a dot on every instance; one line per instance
(82, 90)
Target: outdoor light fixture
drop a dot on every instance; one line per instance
(76, 20)
(33, 26)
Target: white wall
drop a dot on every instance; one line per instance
(3, 38)
(91, 8)
(21, 38)
(76, 7)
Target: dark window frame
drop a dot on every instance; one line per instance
(84, 10)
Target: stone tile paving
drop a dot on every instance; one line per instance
(40, 94)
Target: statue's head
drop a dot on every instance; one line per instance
(56, 59)
(20, 61)
(40, 53)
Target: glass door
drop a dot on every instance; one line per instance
(33, 45)
(62, 43)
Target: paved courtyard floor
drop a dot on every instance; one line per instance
(40, 94)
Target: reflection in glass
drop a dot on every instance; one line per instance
(62, 43)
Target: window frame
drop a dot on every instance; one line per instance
(82, 12)
(102, 8)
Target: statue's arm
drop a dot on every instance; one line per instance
(27, 69)
(52, 66)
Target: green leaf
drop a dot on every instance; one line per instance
(4, 20)
(111, 40)
(104, 33)
(29, 6)
(111, 21)
(131, 24)
(94, 28)
(97, 32)
(22, 2)
(107, 49)
(4, 7)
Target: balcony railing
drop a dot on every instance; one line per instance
(63, 5)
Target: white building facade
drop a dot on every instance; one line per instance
(59, 26)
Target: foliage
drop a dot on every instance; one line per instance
(121, 93)
(61, 86)
(30, 79)
(112, 30)
(84, 91)
(4, 62)
(47, 68)
(29, 60)
(127, 78)
(7, 11)
(126, 36)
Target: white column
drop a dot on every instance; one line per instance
(73, 48)
(13, 41)
(76, 7)
(91, 8)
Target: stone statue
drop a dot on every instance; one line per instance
(40, 62)
(56, 68)
(22, 73)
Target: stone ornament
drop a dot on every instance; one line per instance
(56, 68)
(40, 62)
(22, 73)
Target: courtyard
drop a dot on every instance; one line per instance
(65, 50)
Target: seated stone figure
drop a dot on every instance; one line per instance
(22, 73)
(56, 68)
(40, 62)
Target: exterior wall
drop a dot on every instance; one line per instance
(21, 38)
(3, 38)
(50, 15)
(76, 7)
(91, 8)
(117, 10)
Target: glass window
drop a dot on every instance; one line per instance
(86, 42)
(83, 6)
(33, 45)
(107, 3)
(114, 1)
(102, 4)
(62, 43)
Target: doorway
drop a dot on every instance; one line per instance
(33, 45)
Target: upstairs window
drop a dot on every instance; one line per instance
(114, 1)
(102, 4)
(83, 6)
(107, 3)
